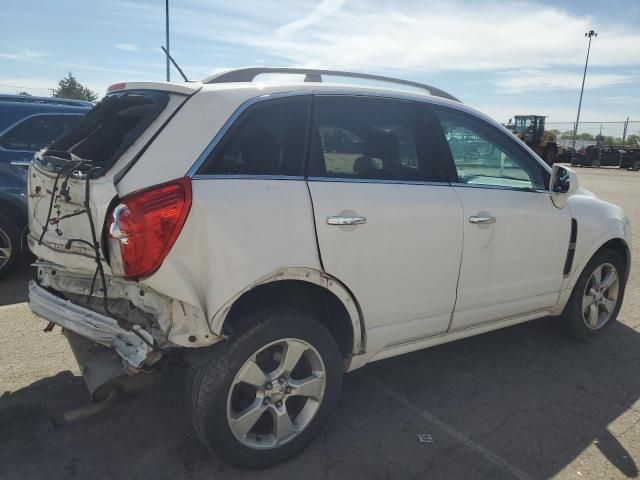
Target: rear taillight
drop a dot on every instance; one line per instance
(143, 227)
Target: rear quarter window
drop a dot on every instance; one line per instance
(268, 140)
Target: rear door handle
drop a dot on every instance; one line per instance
(482, 220)
(346, 220)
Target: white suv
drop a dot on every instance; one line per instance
(278, 235)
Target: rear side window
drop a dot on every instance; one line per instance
(369, 138)
(269, 139)
(108, 130)
(38, 131)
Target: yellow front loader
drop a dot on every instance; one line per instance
(530, 129)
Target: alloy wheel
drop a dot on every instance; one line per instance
(276, 394)
(5, 248)
(600, 296)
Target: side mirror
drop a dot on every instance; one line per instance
(563, 180)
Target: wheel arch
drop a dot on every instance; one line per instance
(621, 247)
(615, 243)
(308, 289)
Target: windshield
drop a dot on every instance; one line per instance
(522, 124)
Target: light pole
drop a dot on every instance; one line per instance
(166, 5)
(589, 34)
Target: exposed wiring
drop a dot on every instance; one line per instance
(99, 269)
(70, 168)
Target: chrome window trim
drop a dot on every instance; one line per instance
(203, 176)
(378, 180)
(499, 187)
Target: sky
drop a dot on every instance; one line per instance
(502, 57)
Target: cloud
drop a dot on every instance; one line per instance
(127, 47)
(322, 11)
(21, 54)
(407, 36)
(525, 80)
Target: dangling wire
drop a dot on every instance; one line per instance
(96, 248)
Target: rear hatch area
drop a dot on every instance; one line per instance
(72, 183)
(73, 189)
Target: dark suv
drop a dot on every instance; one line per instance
(27, 124)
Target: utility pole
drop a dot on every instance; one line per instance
(589, 34)
(166, 4)
(624, 137)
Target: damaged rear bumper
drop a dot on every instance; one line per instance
(92, 325)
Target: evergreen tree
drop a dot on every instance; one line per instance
(69, 87)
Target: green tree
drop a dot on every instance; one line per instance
(633, 140)
(26, 94)
(69, 87)
(584, 136)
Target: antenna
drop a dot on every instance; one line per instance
(174, 63)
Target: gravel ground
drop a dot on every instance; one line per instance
(522, 402)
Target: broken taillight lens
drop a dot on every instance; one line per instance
(143, 227)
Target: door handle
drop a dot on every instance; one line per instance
(346, 220)
(21, 163)
(482, 220)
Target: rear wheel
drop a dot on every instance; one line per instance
(550, 154)
(596, 298)
(268, 394)
(635, 165)
(595, 163)
(9, 245)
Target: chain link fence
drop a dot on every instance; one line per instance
(589, 133)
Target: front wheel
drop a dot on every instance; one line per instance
(596, 298)
(266, 396)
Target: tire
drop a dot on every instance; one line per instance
(635, 165)
(217, 393)
(9, 245)
(577, 320)
(550, 154)
(595, 163)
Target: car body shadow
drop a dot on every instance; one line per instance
(522, 397)
(15, 287)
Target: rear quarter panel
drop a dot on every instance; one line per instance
(238, 231)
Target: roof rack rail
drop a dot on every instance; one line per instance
(248, 74)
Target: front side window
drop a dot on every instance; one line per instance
(483, 156)
(268, 140)
(368, 138)
(37, 132)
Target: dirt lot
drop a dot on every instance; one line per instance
(522, 402)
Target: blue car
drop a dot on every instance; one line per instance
(27, 124)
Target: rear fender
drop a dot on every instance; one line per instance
(306, 275)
